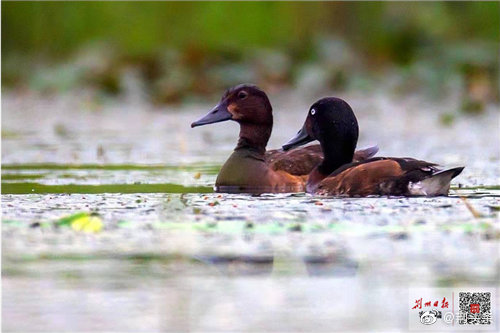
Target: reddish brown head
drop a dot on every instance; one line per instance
(244, 103)
(250, 107)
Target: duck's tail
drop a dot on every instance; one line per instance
(364, 154)
(437, 184)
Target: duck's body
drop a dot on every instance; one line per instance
(250, 168)
(388, 176)
(333, 123)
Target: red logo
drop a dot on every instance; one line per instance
(474, 308)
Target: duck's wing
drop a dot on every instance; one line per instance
(389, 176)
(301, 161)
(297, 162)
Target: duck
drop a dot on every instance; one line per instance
(251, 168)
(332, 122)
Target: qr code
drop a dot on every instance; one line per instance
(475, 308)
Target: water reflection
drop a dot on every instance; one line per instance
(333, 264)
(206, 295)
(272, 293)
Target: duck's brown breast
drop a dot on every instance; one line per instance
(247, 172)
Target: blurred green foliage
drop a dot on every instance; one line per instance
(195, 42)
(384, 29)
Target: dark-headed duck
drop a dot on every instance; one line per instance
(332, 122)
(250, 169)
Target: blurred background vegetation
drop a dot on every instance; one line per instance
(183, 51)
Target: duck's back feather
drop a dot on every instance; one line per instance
(302, 161)
(297, 161)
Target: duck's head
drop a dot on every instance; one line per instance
(330, 121)
(244, 103)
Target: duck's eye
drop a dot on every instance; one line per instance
(313, 112)
(242, 95)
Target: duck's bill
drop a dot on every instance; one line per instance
(216, 115)
(301, 138)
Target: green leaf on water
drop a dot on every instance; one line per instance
(469, 227)
(12, 222)
(67, 220)
(124, 224)
(484, 225)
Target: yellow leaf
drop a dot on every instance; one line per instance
(90, 224)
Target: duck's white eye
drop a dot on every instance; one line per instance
(313, 112)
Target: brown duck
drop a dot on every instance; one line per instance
(250, 168)
(332, 122)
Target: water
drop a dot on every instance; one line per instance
(173, 256)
